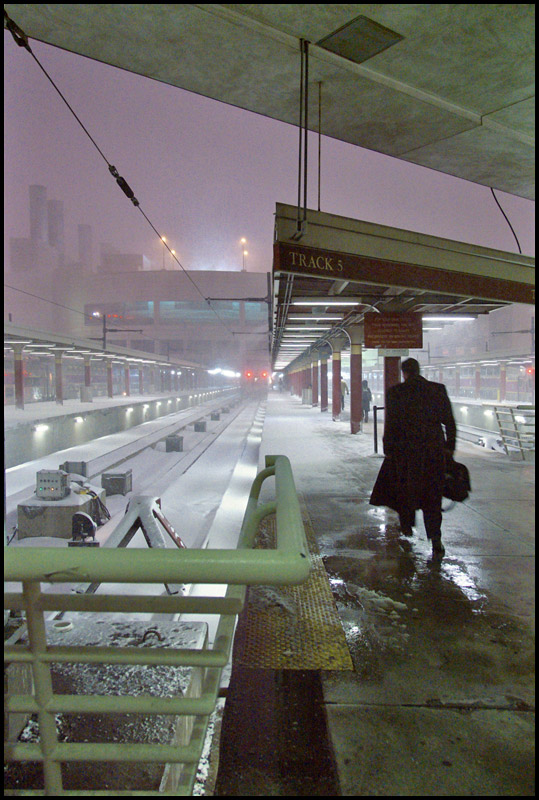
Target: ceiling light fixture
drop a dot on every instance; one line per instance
(447, 318)
(310, 318)
(323, 301)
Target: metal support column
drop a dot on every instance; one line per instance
(323, 382)
(110, 391)
(503, 382)
(336, 379)
(87, 371)
(58, 382)
(356, 377)
(314, 377)
(18, 375)
(391, 373)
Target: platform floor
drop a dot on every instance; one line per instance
(441, 698)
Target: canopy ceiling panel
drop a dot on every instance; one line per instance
(450, 87)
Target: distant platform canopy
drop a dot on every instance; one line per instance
(330, 271)
(36, 342)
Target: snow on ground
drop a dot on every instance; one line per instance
(190, 499)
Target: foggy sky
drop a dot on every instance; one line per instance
(206, 173)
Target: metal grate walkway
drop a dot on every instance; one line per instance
(293, 627)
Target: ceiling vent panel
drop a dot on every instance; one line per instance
(360, 39)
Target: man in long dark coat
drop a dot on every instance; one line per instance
(419, 433)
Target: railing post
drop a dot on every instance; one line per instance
(43, 687)
(374, 410)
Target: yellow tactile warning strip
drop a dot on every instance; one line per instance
(293, 627)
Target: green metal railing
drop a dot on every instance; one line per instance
(287, 564)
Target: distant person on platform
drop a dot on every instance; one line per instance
(366, 397)
(419, 433)
(344, 390)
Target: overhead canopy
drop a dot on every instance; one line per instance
(43, 343)
(331, 271)
(446, 86)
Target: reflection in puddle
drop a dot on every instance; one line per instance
(372, 556)
(443, 589)
(457, 575)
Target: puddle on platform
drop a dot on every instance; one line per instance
(397, 604)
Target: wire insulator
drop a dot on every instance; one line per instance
(20, 37)
(124, 186)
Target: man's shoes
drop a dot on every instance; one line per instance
(406, 523)
(437, 547)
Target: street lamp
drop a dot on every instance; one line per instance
(243, 242)
(173, 253)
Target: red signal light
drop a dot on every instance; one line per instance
(530, 370)
(264, 374)
(248, 374)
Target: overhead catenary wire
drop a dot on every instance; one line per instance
(319, 139)
(44, 299)
(59, 305)
(21, 40)
(506, 218)
(85, 315)
(73, 310)
(68, 308)
(303, 139)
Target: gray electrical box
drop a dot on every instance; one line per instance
(52, 484)
(78, 467)
(117, 482)
(200, 426)
(174, 442)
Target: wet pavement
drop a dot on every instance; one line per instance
(441, 699)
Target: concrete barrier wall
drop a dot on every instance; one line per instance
(475, 415)
(24, 443)
(469, 413)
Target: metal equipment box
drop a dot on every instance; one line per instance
(52, 484)
(215, 415)
(78, 467)
(200, 426)
(117, 482)
(36, 517)
(174, 442)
